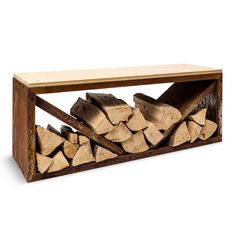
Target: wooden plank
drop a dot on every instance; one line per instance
(124, 83)
(69, 120)
(24, 129)
(125, 158)
(46, 79)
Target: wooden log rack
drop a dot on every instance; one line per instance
(193, 87)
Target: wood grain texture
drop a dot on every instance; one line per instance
(24, 129)
(124, 83)
(69, 120)
(35, 79)
(125, 158)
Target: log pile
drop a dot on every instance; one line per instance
(149, 124)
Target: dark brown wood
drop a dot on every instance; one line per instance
(69, 120)
(131, 82)
(24, 129)
(125, 158)
(219, 106)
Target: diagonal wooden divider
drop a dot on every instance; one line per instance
(69, 120)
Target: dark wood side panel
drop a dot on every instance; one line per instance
(24, 129)
(219, 103)
(132, 82)
(125, 158)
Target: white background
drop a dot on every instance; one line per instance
(191, 192)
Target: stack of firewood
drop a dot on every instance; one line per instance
(136, 129)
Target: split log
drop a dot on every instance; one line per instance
(47, 141)
(68, 134)
(92, 116)
(199, 117)
(52, 129)
(192, 94)
(43, 162)
(208, 130)
(194, 130)
(152, 134)
(116, 109)
(119, 134)
(179, 136)
(59, 162)
(136, 143)
(102, 154)
(69, 149)
(83, 155)
(82, 139)
(136, 122)
(162, 115)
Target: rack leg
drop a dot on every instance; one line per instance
(23, 144)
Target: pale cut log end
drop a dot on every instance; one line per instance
(194, 130)
(119, 134)
(82, 139)
(69, 149)
(153, 135)
(102, 154)
(59, 162)
(208, 130)
(179, 136)
(104, 127)
(137, 121)
(83, 155)
(136, 143)
(199, 117)
(47, 141)
(43, 163)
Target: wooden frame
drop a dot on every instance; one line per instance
(26, 86)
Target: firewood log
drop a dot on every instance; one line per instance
(119, 134)
(92, 116)
(136, 143)
(116, 109)
(152, 134)
(59, 162)
(194, 130)
(47, 141)
(69, 149)
(68, 134)
(43, 163)
(208, 130)
(179, 136)
(52, 129)
(102, 154)
(162, 115)
(82, 139)
(83, 155)
(136, 122)
(199, 117)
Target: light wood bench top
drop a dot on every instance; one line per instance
(75, 77)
